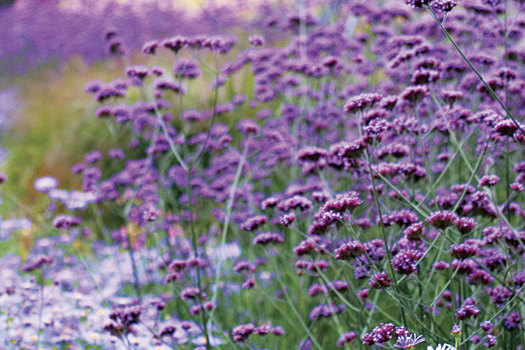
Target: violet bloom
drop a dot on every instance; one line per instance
(468, 309)
(456, 330)
(287, 219)
(248, 126)
(405, 262)
(241, 332)
(326, 310)
(92, 157)
(169, 85)
(36, 261)
(490, 340)
(268, 237)
(346, 338)
(116, 153)
(444, 5)
(513, 321)
(465, 250)
(254, 222)
(380, 280)
(123, 320)
(137, 71)
(65, 221)
(256, 40)
(415, 231)
(488, 180)
(316, 288)
(465, 224)
(349, 250)
(442, 219)
(361, 102)
(417, 3)
(187, 68)
(486, 326)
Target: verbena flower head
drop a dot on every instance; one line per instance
(444, 5)
(417, 3)
(361, 102)
(456, 330)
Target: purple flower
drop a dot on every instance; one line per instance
(316, 288)
(417, 3)
(465, 250)
(287, 219)
(295, 202)
(456, 330)
(241, 332)
(490, 340)
(187, 68)
(379, 280)
(361, 102)
(256, 40)
(442, 219)
(169, 84)
(486, 326)
(513, 321)
(116, 153)
(444, 5)
(254, 222)
(488, 180)
(346, 338)
(468, 309)
(65, 221)
(36, 261)
(349, 250)
(190, 293)
(405, 262)
(326, 310)
(268, 237)
(465, 224)
(415, 231)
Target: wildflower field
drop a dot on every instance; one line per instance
(306, 174)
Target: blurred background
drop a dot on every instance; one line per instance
(50, 49)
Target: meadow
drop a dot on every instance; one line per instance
(262, 175)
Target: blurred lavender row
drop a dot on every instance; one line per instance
(36, 32)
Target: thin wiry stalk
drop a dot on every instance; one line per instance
(224, 233)
(214, 115)
(478, 74)
(294, 309)
(195, 240)
(383, 233)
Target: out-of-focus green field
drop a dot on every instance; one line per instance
(54, 124)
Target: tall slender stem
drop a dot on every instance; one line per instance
(196, 254)
(385, 238)
(478, 74)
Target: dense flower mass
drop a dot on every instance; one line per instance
(279, 175)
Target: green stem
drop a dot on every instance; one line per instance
(478, 74)
(196, 254)
(136, 285)
(226, 224)
(385, 239)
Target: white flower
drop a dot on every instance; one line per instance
(45, 184)
(441, 347)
